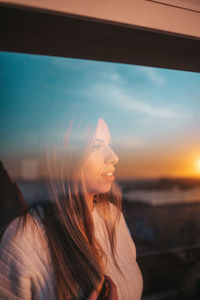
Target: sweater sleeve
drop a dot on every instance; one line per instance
(22, 269)
(14, 280)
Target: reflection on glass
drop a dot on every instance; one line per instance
(153, 116)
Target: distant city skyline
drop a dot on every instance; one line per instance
(152, 113)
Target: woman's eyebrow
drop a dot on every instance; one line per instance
(99, 140)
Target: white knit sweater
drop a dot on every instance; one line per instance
(25, 266)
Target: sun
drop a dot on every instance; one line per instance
(198, 165)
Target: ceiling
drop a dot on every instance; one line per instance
(193, 5)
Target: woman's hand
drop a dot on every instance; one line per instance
(93, 295)
(112, 294)
(112, 289)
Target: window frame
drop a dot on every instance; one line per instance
(34, 31)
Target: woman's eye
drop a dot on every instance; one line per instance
(97, 146)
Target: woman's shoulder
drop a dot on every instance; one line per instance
(24, 248)
(26, 229)
(24, 258)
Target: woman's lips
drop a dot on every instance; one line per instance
(108, 175)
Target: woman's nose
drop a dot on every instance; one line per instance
(111, 156)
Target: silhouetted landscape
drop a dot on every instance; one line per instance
(166, 233)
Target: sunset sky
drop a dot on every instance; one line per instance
(153, 114)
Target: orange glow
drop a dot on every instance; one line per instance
(137, 164)
(151, 164)
(198, 166)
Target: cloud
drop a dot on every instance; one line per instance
(153, 75)
(111, 76)
(108, 88)
(118, 97)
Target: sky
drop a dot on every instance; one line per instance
(152, 113)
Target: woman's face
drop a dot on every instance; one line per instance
(98, 170)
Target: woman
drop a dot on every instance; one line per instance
(77, 246)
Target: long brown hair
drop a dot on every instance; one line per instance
(76, 256)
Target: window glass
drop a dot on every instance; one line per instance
(153, 117)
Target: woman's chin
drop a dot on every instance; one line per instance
(105, 189)
(100, 188)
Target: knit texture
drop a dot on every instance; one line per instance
(129, 283)
(25, 266)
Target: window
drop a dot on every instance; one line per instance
(152, 112)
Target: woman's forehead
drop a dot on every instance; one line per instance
(102, 131)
